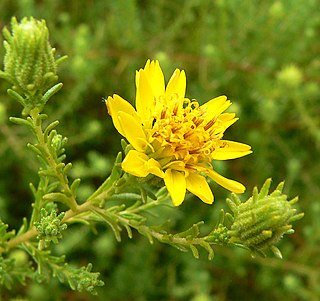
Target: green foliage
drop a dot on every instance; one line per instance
(11, 273)
(4, 234)
(263, 56)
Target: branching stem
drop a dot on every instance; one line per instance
(51, 160)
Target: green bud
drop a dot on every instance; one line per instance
(220, 235)
(263, 219)
(58, 142)
(49, 227)
(29, 63)
(85, 280)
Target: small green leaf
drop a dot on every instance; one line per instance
(50, 127)
(20, 121)
(53, 90)
(16, 96)
(75, 184)
(195, 251)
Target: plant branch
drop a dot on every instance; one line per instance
(51, 160)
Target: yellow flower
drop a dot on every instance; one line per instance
(173, 137)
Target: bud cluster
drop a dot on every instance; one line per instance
(49, 227)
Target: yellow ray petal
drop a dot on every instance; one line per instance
(138, 72)
(216, 106)
(154, 167)
(225, 182)
(155, 77)
(198, 185)
(224, 117)
(133, 131)
(176, 184)
(177, 84)
(227, 124)
(140, 165)
(227, 119)
(117, 104)
(231, 150)
(145, 99)
(135, 163)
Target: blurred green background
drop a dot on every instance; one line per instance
(264, 55)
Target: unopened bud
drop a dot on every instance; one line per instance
(263, 219)
(29, 63)
(49, 227)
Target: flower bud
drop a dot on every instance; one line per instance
(29, 63)
(263, 219)
(29, 60)
(58, 142)
(49, 227)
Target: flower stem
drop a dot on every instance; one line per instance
(30, 234)
(87, 206)
(51, 160)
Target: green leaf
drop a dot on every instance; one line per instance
(53, 90)
(195, 251)
(50, 127)
(20, 121)
(110, 221)
(17, 96)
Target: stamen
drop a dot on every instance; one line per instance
(187, 134)
(198, 121)
(175, 110)
(176, 128)
(210, 124)
(224, 144)
(163, 113)
(194, 151)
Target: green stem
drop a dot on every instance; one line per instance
(51, 160)
(73, 212)
(30, 234)
(146, 206)
(160, 236)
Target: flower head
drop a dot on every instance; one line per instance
(173, 137)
